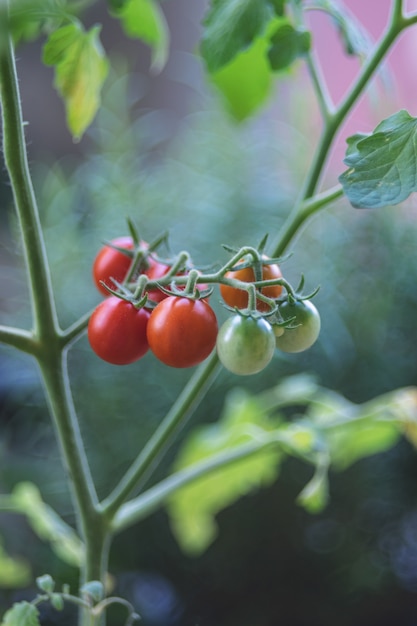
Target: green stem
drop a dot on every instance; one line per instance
(186, 402)
(148, 502)
(18, 338)
(58, 393)
(46, 340)
(332, 124)
(15, 156)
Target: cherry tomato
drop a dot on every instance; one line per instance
(182, 332)
(245, 345)
(110, 263)
(156, 271)
(239, 297)
(117, 331)
(306, 326)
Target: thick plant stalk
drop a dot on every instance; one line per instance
(45, 342)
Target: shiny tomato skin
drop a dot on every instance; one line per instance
(110, 263)
(245, 345)
(117, 331)
(304, 329)
(156, 271)
(182, 332)
(239, 297)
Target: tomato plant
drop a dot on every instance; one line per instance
(245, 345)
(304, 329)
(117, 331)
(235, 297)
(263, 38)
(182, 332)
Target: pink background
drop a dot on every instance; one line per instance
(384, 98)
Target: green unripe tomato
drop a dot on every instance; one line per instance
(245, 345)
(306, 326)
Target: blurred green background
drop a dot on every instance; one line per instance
(177, 162)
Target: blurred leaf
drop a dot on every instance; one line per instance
(94, 589)
(14, 573)
(315, 495)
(297, 389)
(246, 81)
(57, 601)
(355, 431)
(383, 165)
(46, 583)
(287, 45)
(47, 524)
(80, 71)
(230, 27)
(404, 404)
(278, 6)
(192, 509)
(28, 18)
(331, 431)
(21, 614)
(145, 20)
(356, 40)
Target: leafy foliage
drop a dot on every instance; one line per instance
(332, 432)
(47, 524)
(27, 19)
(382, 165)
(287, 45)
(13, 572)
(245, 83)
(244, 42)
(144, 19)
(21, 614)
(193, 508)
(80, 71)
(230, 27)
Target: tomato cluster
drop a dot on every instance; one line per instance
(180, 331)
(179, 326)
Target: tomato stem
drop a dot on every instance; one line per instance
(46, 341)
(332, 122)
(176, 417)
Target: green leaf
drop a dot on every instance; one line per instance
(287, 45)
(28, 18)
(57, 601)
(80, 71)
(21, 614)
(94, 589)
(14, 573)
(278, 6)
(246, 82)
(193, 508)
(47, 524)
(355, 39)
(315, 495)
(230, 27)
(46, 583)
(354, 431)
(383, 165)
(145, 20)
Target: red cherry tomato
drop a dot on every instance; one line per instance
(156, 271)
(117, 331)
(239, 297)
(182, 332)
(110, 263)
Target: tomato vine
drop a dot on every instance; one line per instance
(166, 300)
